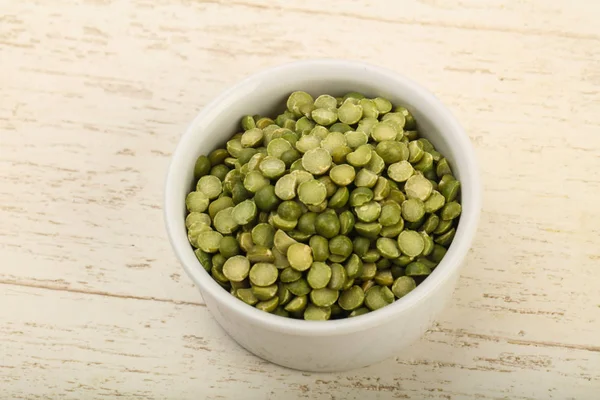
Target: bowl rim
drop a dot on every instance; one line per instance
(451, 262)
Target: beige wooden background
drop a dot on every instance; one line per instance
(93, 97)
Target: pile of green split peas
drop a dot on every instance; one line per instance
(333, 209)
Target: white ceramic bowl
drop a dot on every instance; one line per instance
(339, 344)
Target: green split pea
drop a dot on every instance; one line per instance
(332, 209)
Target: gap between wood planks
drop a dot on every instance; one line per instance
(99, 293)
(435, 328)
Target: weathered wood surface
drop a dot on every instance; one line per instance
(93, 97)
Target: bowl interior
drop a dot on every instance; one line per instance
(266, 92)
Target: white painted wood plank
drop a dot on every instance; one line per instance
(71, 345)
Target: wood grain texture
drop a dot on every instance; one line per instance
(94, 95)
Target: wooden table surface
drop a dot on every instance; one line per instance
(95, 94)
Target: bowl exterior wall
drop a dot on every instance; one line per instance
(327, 353)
